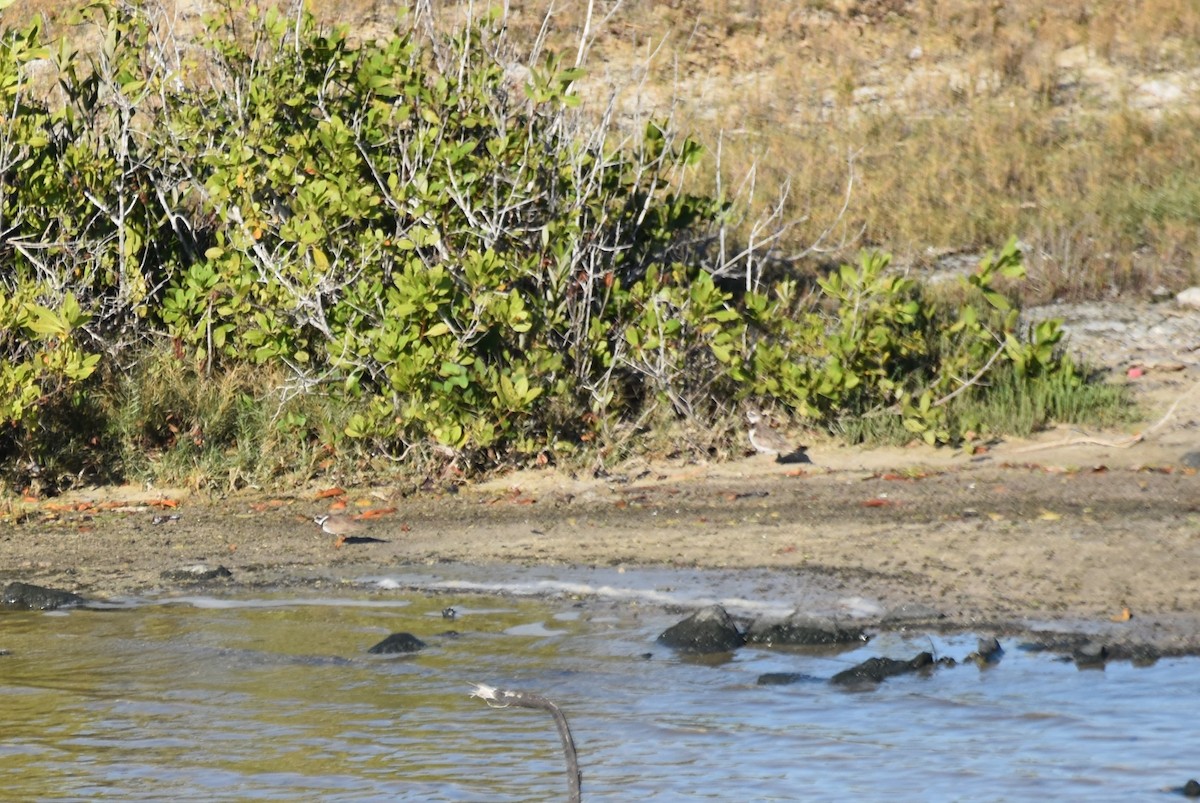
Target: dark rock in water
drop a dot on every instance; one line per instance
(1091, 654)
(1138, 654)
(199, 573)
(35, 598)
(989, 648)
(876, 670)
(398, 643)
(1191, 788)
(785, 678)
(1191, 459)
(1087, 652)
(799, 630)
(707, 631)
(987, 651)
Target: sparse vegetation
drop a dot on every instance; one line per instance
(282, 250)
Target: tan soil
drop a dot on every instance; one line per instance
(1024, 536)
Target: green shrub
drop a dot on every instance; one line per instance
(434, 237)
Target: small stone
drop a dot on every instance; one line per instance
(1191, 788)
(398, 643)
(1191, 459)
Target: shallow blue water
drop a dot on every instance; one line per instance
(275, 698)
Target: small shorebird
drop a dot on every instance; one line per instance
(343, 527)
(766, 440)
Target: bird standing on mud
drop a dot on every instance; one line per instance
(344, 528)
(766, 440)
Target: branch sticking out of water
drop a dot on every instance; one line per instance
(498, 698)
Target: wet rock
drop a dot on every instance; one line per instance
(1090, 654)
(1191, 788)
(197, 573)
(876, 670)
(785, 678)
(1190, 459)
(27, 596)
(1137, 654)
(708, 630)
(1087, 651)
(987, 651)
(398, 643)
(799, 630)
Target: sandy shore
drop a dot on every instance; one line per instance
(1026, 537)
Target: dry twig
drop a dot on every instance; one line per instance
(497, 698)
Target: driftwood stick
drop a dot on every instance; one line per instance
(498, 698)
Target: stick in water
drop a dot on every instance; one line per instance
(497, 698)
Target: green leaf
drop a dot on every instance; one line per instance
(357, 427)
(45, 322)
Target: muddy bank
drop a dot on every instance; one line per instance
(981, 542)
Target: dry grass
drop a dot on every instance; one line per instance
(1073, 125)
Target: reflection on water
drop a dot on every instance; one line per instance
(276, 699)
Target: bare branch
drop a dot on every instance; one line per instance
(497, 698)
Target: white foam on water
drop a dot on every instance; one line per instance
(674, 596)
(861, 608)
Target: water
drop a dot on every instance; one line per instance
(275, 698)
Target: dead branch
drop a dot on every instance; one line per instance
(497, 698)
